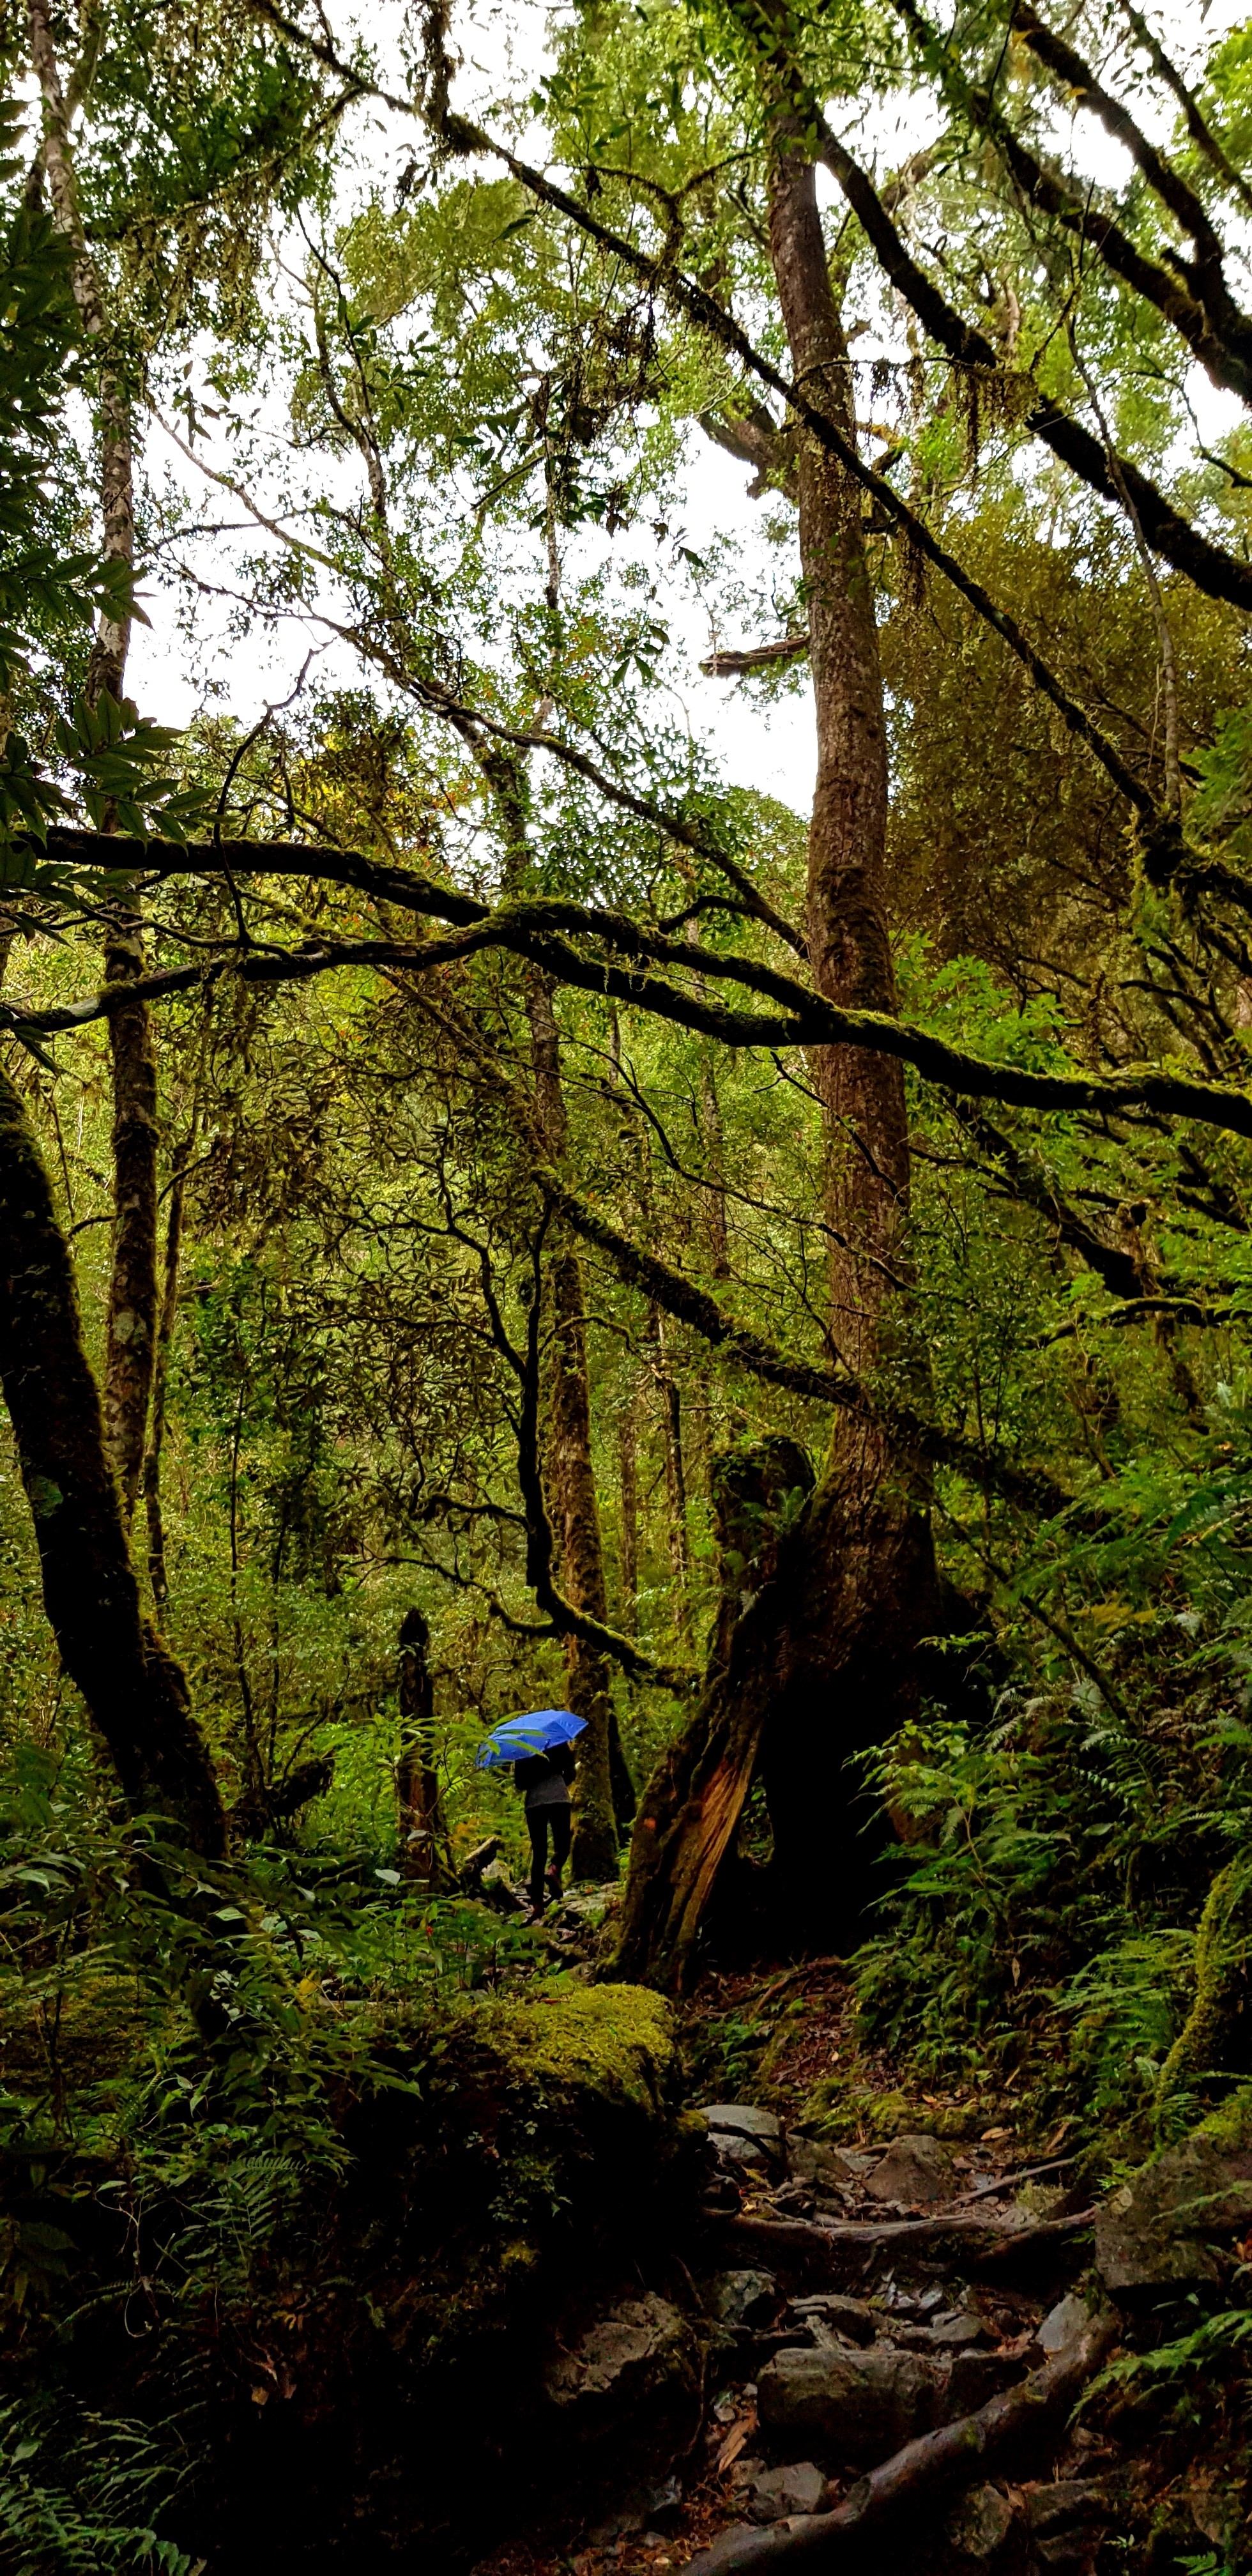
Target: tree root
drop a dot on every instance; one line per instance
(933, 2467)
(801, 2245)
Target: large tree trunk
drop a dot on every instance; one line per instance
(135, 1690)
(132, 1313)
(822, 1663)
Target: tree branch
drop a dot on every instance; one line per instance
(1210, 567)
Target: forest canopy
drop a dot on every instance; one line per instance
(644, 1105)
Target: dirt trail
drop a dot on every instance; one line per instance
(853, 2300)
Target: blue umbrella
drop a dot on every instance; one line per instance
(516, 1738)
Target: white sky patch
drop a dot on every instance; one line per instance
(766, 745)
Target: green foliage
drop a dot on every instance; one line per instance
(70, 2494)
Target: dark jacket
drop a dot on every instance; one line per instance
(540, 1769)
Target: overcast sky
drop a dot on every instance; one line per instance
(768, 747)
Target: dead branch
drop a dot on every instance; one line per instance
(756, 657)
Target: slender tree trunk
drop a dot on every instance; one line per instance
(423, 1831)
(601, 1777)
(715, 1157)
(675, 1476)
(628, 1460)
(822, 1660)
(132, 1313)
(158, 1573)
(135, 1690)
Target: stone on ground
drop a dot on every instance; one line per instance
(1159, 2231)
(742, 2120)
(740, 2298)
(916, 2172)
(843, 2315)
(980, 2525)
(794, 2489)
(1063, 2322)
(862, 2405)
(1067, 2522)
(636, 2364)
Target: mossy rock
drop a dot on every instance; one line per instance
(615, 2043)
(530, 2166)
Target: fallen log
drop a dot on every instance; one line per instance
(1003, 2433)
(804, 2245)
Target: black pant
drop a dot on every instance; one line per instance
(538, 1820)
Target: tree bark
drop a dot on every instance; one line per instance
(628, 1462)
(423, 1831)
(134, 1689)
(158, 1573)
(132, 1310)
(822, 1661)
(602, 1784)
(675, 1476)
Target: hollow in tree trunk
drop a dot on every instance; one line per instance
(135, 1690)
(822, 1662)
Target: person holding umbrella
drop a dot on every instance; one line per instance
(539, 1747)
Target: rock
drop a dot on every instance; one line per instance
(1067, 2522)
(864, 2405)
(914, 2171)
(941, 2334)
(664, 2502)
(830, 2169)
(635, 2368)
(797, 2488)
(1063, 2322)
(743, 2120)
(710, 2560)
(1158, 2231)
(851, 2317)
(739, 2151)
(980, 2525)
(740, 2298)
(953, 2333)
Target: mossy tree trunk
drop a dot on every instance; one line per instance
(134, 1688)
(822, 1661)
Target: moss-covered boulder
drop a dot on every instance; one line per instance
(525, 2167)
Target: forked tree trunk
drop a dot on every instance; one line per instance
(135, 1690)
(423, 1832)
(132, 1312)
(822, 1662)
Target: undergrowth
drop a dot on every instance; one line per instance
(181, 2047)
